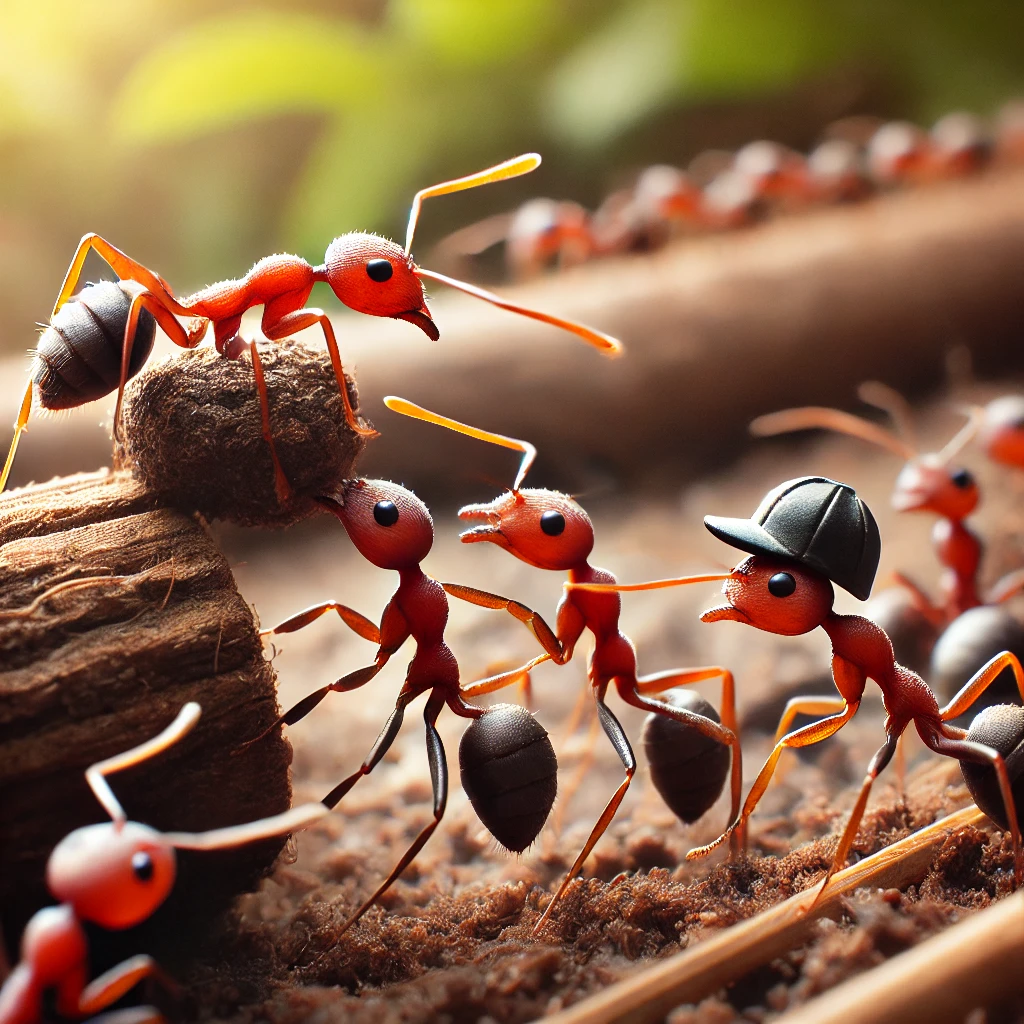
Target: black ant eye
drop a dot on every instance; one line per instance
(386, 513)
(379, 270)
(552, 523)
(962, 479)
(142, 866)
(781, 585)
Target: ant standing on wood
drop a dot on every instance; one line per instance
(807, 534)
(114, 874)
(367, 273)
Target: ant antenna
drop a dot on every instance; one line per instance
(235, 835)
(417, 412)
(499, 172)
(812, 416)
(889, 400)
(677, 581)
(964, 435)
(96, 774)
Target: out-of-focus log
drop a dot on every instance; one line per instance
(718, 329)
(90, 669)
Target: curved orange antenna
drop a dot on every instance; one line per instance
(814, 416)
(236, 835)
(605, 342)
(964, 435)
(499, 172)
(183, 723)
(889, 400)
(417, 412)
(678, 581)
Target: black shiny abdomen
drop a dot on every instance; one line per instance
(78, 358)
(688, 768)
(509, 773)
(1002, 728)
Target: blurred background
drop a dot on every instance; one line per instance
(200, 136)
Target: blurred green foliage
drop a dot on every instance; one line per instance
(198, 135)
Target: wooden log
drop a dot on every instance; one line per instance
(93, 667)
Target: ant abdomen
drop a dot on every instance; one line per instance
(688, 768)
(510, 774)
(78, 358)
(1001, 727)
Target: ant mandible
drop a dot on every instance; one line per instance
(392, 528)
(807, 534)
(367, 273)
(927, 483)
(550, 530)
(114, 874)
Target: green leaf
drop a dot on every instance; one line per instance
(250, 65)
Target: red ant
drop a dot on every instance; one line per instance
(114, 874)
(367, 273)
(550, 530)
(1001, 430)
(806, 535)
(392, 528)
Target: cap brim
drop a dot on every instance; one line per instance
(746, 535)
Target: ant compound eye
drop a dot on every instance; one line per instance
(781, 585)
(379, 270)
(962, 479)
(386, 513)
(142, 866)
(552, 523)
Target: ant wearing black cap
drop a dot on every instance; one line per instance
(807, 534)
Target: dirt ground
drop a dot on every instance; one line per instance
(451, 941)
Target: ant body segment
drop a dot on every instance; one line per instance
(806, 535)
(367, 273)
(550, 530)
(114, 874)
(392, 528)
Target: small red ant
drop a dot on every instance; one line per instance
(550, 530)
(114, 874)
(392, 528)
(367, 273)
(807, 534)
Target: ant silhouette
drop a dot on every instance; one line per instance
(392, 528)
(550, 530)
(367, 273)
(114, 874)
(807, 534)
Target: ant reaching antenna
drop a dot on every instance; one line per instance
(367, 273)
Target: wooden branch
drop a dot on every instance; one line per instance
(695, 973)
(115, 611)
(973, 964)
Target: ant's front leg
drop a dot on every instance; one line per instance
(108, 988)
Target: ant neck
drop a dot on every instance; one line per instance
(320, 273)
(582, 573)
(410, 574)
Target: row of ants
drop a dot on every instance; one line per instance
(721, 191)
(807, 535)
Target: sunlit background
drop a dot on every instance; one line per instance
(200, 136)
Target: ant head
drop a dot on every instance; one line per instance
(388, 524)
(113, 875)
(373, 275)
(1001, 434)
(927, 484)
(898, 151)
(544, 528)
(776, 595)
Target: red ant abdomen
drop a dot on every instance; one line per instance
(510, 774)
(688, 768)
(1002, 728)
(78, 358)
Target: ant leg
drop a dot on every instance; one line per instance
(804, 737)
(289, 323)
(113, 984)
(920, 600)
(282, 488)
(358, 623)
(19, 428)
(882, 757)
(130, 1015)
(126, 269)
(439, 783)
(527, 616)
(1006, 587)
(614, 732)
(519, 675)
(979, 753)
(980, 682)
(726, 733)
(805, 706)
